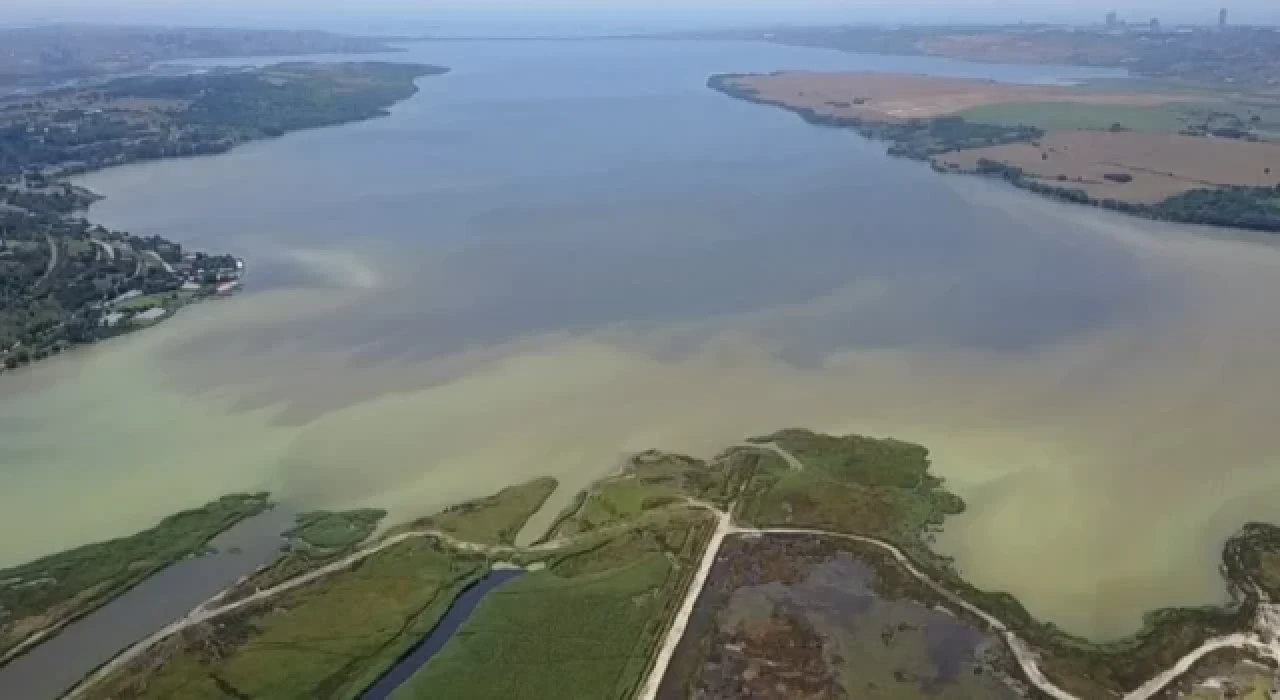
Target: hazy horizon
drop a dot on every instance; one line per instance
(586, 15)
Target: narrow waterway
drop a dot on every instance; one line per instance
(52, 668)
(439, 636)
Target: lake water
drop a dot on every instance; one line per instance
(563, 252)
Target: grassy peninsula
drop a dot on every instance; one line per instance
(39, 597)
(65, 281)
(823, 543)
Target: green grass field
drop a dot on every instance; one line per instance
(585, 627)
(330, 639)
(1066, 115)
(336, 530)
(496, 519)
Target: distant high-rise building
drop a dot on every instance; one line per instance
(1155, 24)
(1222, 17)
(1111, 19)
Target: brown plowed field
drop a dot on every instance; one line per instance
(1162, 165)
(890, 96)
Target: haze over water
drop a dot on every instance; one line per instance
(563, 252)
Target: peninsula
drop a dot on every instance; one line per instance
(65, 281)
(1188, 155)
(793, 564)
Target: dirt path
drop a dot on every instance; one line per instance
(774, 448)
(649, 691)
(1264, 639)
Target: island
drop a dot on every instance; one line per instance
(65, 281)
(793, 564)
(1187, 155)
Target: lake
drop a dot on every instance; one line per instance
(564, 252)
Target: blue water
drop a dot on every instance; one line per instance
(438, 637)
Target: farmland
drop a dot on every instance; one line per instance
(1159, 165)
(1056, 116)
(892, 96)
(1176, 152)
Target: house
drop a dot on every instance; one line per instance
(150, 315)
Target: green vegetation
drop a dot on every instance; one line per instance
(1051, 116)
(865, 486)
(330, 639)
(65, 282)
(56, 589)
(495, 519)
(651, 480)
(585, 627)
(328, 530)
(586, 620)
(882, 489)
(1240, 207)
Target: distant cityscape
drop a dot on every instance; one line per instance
(1116, 23)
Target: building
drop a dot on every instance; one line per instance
(1222, 18)
(150, 315)
(1155, 24)
(1112, 20)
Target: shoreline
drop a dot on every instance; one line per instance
(882, 131)
(224, 285)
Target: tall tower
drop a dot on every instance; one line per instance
(1111, 19)
(1222, 18)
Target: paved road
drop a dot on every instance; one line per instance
(53, 261)
(155, 257)
(108, 251)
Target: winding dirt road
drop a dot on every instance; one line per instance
(1263, 639)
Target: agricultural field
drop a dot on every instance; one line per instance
(1057, 116)
(586, 626)
(1155, 166)
(896, 96)
(809, 617)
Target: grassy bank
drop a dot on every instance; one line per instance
(49, 592)
(584, 627)
(330, 639)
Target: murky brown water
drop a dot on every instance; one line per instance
(560, 253)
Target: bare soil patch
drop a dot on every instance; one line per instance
(1160, 165)
(894, 96)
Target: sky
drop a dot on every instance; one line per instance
(338, 14)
